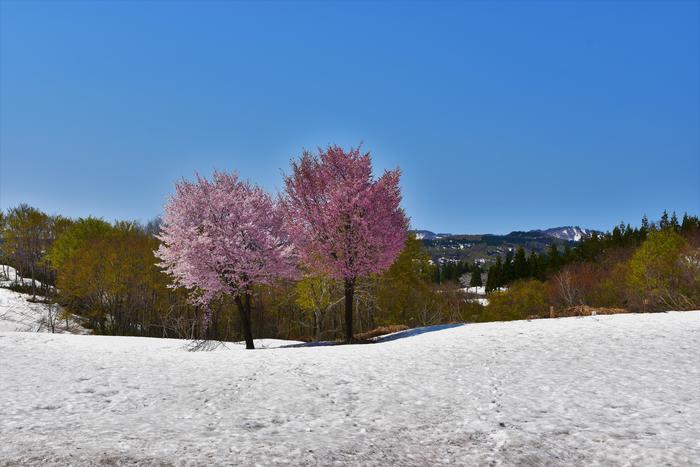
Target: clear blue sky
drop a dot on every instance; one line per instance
(502, 116)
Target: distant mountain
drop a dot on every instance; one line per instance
(428, 235)
(569, 233)
(423, 234)
(487, 247)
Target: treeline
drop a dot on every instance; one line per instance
(653, 267)
(453, 271)
(106, 275)
(519, 265)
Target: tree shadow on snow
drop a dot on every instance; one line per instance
(380, 339)
(415, 332)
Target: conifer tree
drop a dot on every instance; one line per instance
(507, 269)
(643, 230)
(520, 268)
(493, 280)
(567, 255)
(617, 235)
(688, 223)
(553, 259)
(674, 222)
(475, 279)
(533, 264)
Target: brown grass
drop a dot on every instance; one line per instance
(585, 310)
(380, 331)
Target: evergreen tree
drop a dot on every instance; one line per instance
(664, 222)
(674, 222)
(630, 234)
(520, 267)
(475, 280)
(447, 271)
(567, 257)
(643, 230)
(553, 259)
(594, 247)
(533, 264)
(493, 280)
(617, 236)
(689, 223)
(507, 270)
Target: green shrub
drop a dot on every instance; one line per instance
(523, 300)
(664, 273)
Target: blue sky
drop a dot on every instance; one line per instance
(503, 116)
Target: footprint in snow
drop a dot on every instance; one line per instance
(47, 407)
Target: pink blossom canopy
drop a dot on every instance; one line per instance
(342, 220)
(221, 236)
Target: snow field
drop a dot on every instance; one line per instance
(617, 389)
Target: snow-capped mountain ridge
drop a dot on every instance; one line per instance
(569, 233)
(428, 235)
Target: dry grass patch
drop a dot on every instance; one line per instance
(380, 331)
(585, 310)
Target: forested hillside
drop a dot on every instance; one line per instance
(486, 248)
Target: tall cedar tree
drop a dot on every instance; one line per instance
(507, 269)
(343, 221)
(222, 236)
(475, 279)
(520, 267)
(494, 279)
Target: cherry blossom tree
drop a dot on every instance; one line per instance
(343, 221)
(222, 236)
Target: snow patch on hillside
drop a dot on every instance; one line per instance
(9, 276)
(569, 233)
(607, 390)
(18, 313)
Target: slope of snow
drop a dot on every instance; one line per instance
(17, 313)
(9, 276)
(620, 390)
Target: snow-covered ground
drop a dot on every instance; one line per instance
(479, 290)
(605, 390)
(9, 276)
(17, 313)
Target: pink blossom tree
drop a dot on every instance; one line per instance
(222, 236)
(343, 221)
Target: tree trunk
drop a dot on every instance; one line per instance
(317, 327)
(33, 285)
(349, 292)
(244, 310)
